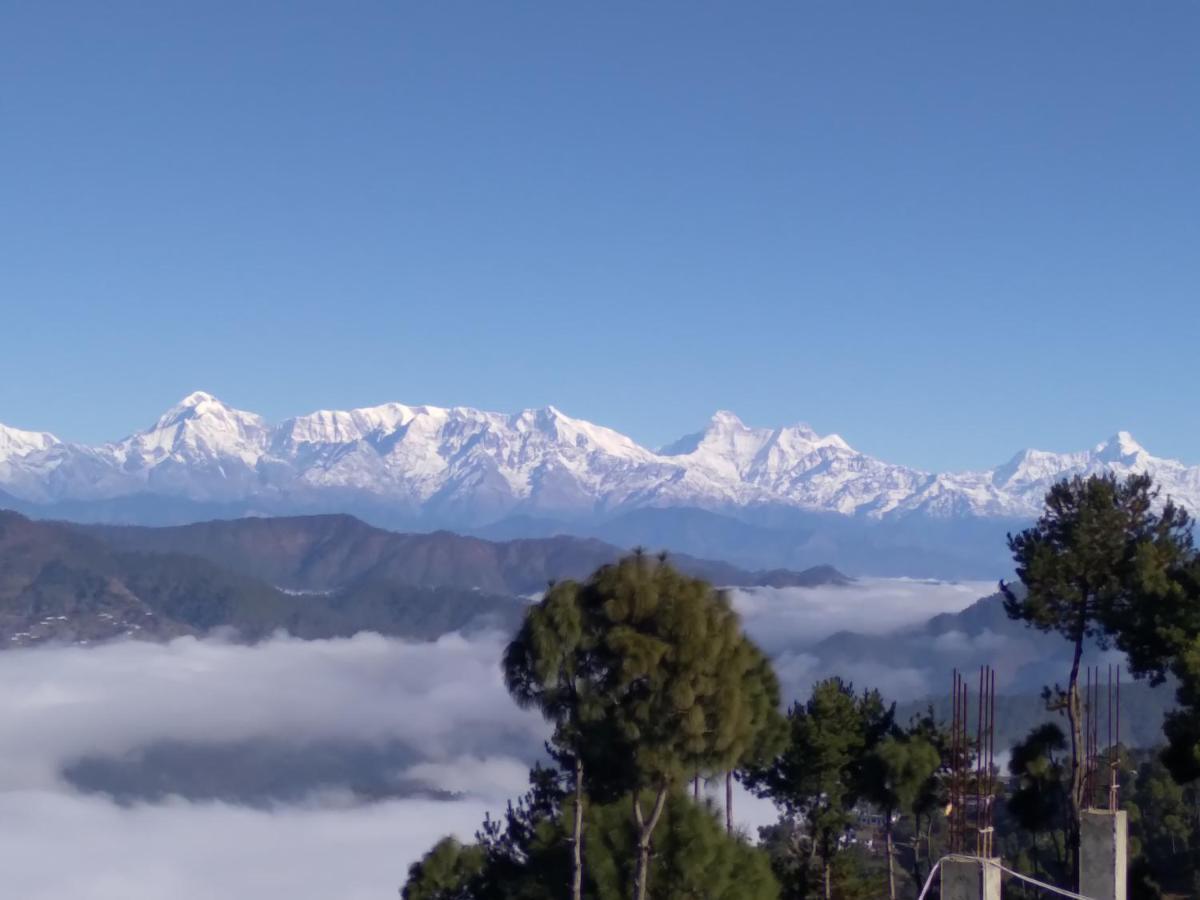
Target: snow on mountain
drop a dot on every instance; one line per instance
(462, 464)
(199, 429)
(16, 443)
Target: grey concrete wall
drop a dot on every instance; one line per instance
(1103, 854)
(970, 879)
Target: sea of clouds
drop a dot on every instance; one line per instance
(443, 703)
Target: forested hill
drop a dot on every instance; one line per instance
(317, 553)
(318, 576)
(57, 583)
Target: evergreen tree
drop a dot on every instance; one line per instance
(522, 856)
(547, 666)
(672, 686)
(929, 806)
(1162, 821)
(767, 733)
(446, 872)
(820, 774)
(693, 856)
(524, 851)
(1038, 801)
(1167, 640)
(897, 775)
(1086, 566)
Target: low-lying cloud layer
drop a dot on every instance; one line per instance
(444, 701)
(789, 619)
(431, 721)
(57, 844)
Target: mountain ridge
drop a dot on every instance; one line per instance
(314, 576)
(464, 467)
(328, 552)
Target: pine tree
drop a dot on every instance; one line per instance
(547, 666)
(1087, 567)
(672, 684)
(896, 775)
(768, 730)
(821, 772)
(1038, 801)
(444, 873)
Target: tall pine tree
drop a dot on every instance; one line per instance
(1085, 567)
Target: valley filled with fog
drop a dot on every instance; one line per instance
(317, 768)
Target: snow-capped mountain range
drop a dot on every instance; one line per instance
(468, 466)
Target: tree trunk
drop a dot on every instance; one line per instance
(916, 849)
(729, 803)
(891, 855)
(645, 830)
(828, 880)
(1075, 718)
(696, 788)
(577, 835)
(928, 846)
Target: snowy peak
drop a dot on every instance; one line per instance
(553, 424)
(729, 437)
(724, 420)
(469, 466)
(328, 427)
(198, 428)
(1121, 448)
(16, 443)
(201, 405)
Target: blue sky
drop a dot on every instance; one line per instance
(943, 230)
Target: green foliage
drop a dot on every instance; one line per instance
(693, 856)
(1077, 562)
(1179, 650)
(524, 855)
(1038, 800)
(768, 729)
(1163, 827)
(853, 874)
(1104, 563)
(822, 771)
(549, 666)
(899, 771)
(898, 775)
(525, 851)
(446, 872)
(649, 680)
(672, 660)
(680, 689)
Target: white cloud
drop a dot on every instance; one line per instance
(787, 619)
(60, 703)
(444, 699)
(57, 844)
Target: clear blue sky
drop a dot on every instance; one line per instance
(943, 230)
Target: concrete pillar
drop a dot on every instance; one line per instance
(1103, 854)
(970, 879)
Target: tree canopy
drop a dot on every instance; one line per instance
(821, 772)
